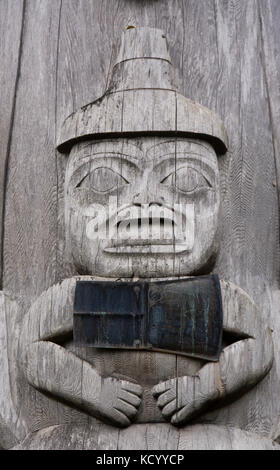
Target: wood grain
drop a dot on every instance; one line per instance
(31, 196)
(12, 426)
(11, 27)
(31, 209)
(144, 437)
(250, 199)
(94, 380)
(217, 64)
(269, 15)
(220, 62)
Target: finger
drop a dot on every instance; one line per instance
(161, 388)
(129, 410)
(182, 415)
(166, 398)
(130, 398)
(169, 409)
(131, 387)
(119, 418)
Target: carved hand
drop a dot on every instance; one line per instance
(182, 398)
(119, 400)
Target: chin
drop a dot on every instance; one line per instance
(147, 266)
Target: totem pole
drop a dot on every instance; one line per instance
(139, 347)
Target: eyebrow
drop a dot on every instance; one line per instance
(174, 143)
(180, 156)
(111, 154)
(209, 172)
(128, 148)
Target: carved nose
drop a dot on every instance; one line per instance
(141, 198)
(136, 199)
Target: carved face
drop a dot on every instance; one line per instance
(144, 207)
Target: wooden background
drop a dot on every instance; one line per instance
(55, 56)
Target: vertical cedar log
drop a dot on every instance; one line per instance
(221, 63)
(227, 78)
(31, 195)
(30, 244)
(11, 27)
(269, 16)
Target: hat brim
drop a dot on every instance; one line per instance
(143, 112)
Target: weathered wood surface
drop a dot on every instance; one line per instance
(145, 437)
(79, 377)
(269, 17)
(220, 62)
(142, 162)
(11, 29)
(31, 194)
(153, 109)
(141, 98)
(12, 425)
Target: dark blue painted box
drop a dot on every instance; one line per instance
(182, 316)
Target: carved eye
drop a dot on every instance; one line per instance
(187, 180)
(102, 180)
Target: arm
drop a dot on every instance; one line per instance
(51, 368)
(241, 365)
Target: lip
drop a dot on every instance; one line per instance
(146, 247)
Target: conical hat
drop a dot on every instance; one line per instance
(141, 100)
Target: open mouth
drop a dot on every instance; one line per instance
(147, 236)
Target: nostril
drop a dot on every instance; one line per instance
(155, 204)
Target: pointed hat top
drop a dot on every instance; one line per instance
(141, 99)
(143, 61)
(139, 43)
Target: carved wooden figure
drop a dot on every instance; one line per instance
(141, 204)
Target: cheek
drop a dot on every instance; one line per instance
(207, 204)
(75, 225)
(84, 199)
(82, 241)
(206, 212)
(81, 223)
